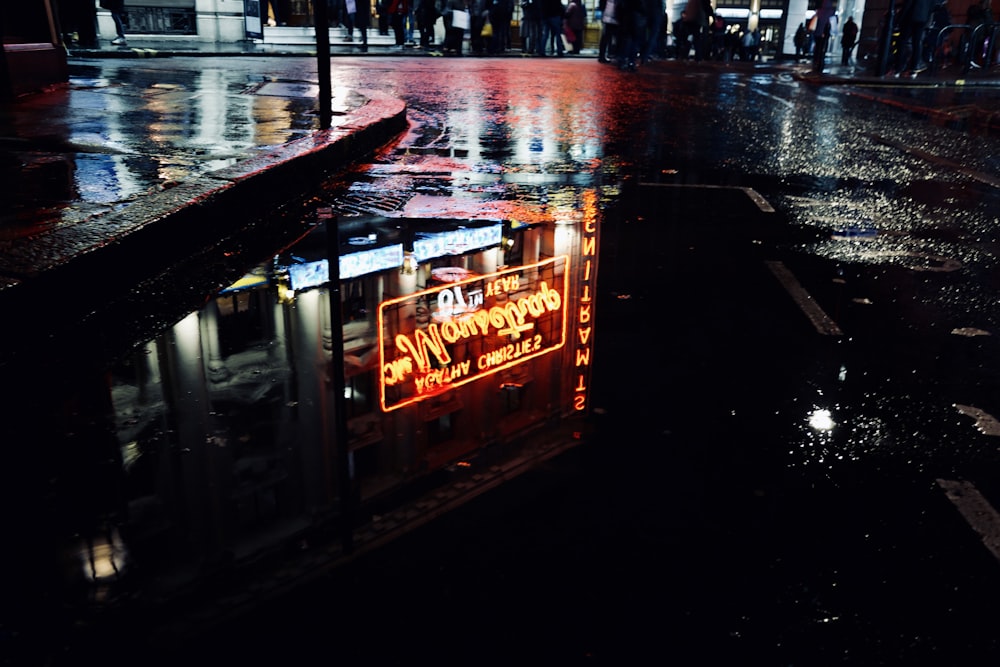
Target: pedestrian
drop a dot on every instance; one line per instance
(501, 16)
(718, 37)
(362, 20)
(607, 46)
(398, 11)
(342, 13)
(426, 13)
(552, 27)
(531, 25)
(697, 15)
(576, 22)
(912, 21)
(279, 12)
(456, 21)
(117, 9)
(631, 32)
(655, 42)
(478, 16)
(746, 46)
(800, 41)
(78, 23)
(848, 39)
(822, 29)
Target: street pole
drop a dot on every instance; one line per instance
(321, 19)
(345, 465)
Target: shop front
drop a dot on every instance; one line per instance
(32, 58)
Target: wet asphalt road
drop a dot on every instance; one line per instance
(703, 522)
(708, 518)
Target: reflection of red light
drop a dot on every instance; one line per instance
(451, 274)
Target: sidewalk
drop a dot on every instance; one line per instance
(112, 175)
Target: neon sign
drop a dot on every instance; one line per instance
(585, 314)
(450, 335)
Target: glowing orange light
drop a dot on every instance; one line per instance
(477, 327)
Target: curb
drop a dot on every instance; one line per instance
(119, 249)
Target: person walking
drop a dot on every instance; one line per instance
(655, 42)
(913, 19)
(848, 39)
(501, 16)
(427, 14)
(552, 27)
(576, 21)
(631, 32)
(117, 9)
(697, 14)
(822, 29)
(608, 45)
(454, 30)
(362, 20)
(531, 25)
(398, 11)
(800, 41)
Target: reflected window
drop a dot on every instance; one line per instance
(511, 398)
(440, 430)
(244, 321)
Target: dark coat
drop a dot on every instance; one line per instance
(363, 14)
(116, 6)
(916, 11)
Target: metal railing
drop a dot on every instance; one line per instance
(980, 49)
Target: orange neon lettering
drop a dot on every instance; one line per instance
(586, 270)
(583, 357)
(590, 226)
(584, 335)
(579, 402)
(581, 386)
(396, 370)
(586, 294)
(425, 341)
(589, 246)
(584, 314)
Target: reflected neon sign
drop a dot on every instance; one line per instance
(453, 334)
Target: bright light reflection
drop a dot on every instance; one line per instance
(821, 420)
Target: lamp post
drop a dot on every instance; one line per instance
(321, 19)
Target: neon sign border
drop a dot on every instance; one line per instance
(564, 308)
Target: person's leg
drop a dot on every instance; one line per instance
(119, 29)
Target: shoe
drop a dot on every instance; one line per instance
(922, 67)
(119, 41)
(603, 60)
(349, 38)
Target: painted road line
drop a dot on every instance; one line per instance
(985, 422)
(824, 323)
(976, 510)
(787, 103)
(758, 199)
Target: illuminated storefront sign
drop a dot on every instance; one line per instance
(427, 246)
(313, 274)
(467, 330)
(584, 339)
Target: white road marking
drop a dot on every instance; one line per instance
(824, 323)
(976, 510)
(985, 422)
(757, 198)
(787, 103)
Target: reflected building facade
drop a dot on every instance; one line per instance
(285, 408)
